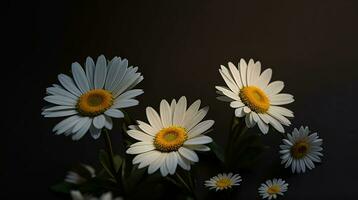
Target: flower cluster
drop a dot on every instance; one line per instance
(169, 144)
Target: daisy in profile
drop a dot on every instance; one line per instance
(301, 149)
(93, 96)
(77, 195)
(252, 95)
(223, 181)
(271, 188)
(75, 177)
(171, 137)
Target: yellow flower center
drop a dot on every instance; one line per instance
(274, 189)
(94, 102)
(223, 183)
(300, 149)
(170, 139)
(254, 98)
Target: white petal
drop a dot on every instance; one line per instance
(147, 128)
(179, 112)
(60, 100)
(201, 128)
(154, 166)
(100, 72)
(98, 121)
(83, 130)
(154, 118)
(90, 66)
(61, 113)
(95, 133)
(265, 78)
(283, 111)
(255, 74)
(228, 93)
(69, 84)
(59, 91)
(191, 112)
(125, 103)
(114, 113)
(80, 77)
(65, 124)
(183, 162)
(130, 94)
(171, 162)
(199, 140)
(113, 68)
(250, 68)
(274, 88)
(139, 149)
(119, 75)
(281, 99)
(188, 154)
(198, 147)
(276, 124)
(243, 72)
(108, 124)
(236, 104)
(165, 113)
(198, 117)
(229, 82)
(236, 74)
(139, 135)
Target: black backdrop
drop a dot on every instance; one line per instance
(179, 46)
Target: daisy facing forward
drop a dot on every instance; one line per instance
(171, 137)
(301, 149)
(271, 188)
(223, 181)
(93, 96)
(252, 95)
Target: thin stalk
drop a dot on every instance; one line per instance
(107, 140)
(187, 187)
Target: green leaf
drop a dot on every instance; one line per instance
(217, 151)
(104, 160)
(118, 161)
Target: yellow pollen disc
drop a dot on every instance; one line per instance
(223, 183)
(300, 149)
(254, 98)
(170, 139)
(94, 102)
(274, 189)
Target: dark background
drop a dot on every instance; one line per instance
(179, 46)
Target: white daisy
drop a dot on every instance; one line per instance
(223, 181)
(271, 188)
(77, 195)
(93, 96)
(301, 149)
(253, 97)
(76, 178)
(171, 137)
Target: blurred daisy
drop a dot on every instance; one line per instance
(77, 195)
(253, 96)
(93, 96)
(76, 177)
(301, 149)
(271, 188)
(171, 137)
(223, 181)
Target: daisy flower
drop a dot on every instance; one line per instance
(77, 195)
(75, 177)
(252, 95)
(223, 181)
(271, 188)
(171, 137)
(301, 149)
(93, 96)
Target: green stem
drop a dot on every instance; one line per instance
(187, 187)
(109, 149)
